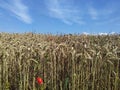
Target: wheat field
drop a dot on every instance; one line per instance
(64, 62)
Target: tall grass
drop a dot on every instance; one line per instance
(64, 62)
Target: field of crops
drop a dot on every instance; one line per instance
(63, 62)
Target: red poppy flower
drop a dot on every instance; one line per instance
(39, 80)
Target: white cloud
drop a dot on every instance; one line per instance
(0, 13)
(63, 11)
(113, 33)
(19, 9)
(85, 33)
(114, 20)
(93, 13)
(103, 33)
(70, 14)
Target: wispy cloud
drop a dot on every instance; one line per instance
(63, 11)
(93, 13)
(70, 14)
(106, 14)
(113, 21)
(0, 14)
(19, 9)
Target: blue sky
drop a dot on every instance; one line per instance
(60, 16)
